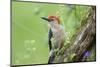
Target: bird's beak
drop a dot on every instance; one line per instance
(45, 19)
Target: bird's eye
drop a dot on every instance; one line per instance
(52, 19)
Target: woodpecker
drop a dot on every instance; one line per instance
(56, 35)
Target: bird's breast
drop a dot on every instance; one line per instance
(58, 34)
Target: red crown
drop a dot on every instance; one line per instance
(54, 17)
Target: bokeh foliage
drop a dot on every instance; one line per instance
(30, 32)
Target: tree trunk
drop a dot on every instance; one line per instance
(82, 42)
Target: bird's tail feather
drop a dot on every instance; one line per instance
(52, 56)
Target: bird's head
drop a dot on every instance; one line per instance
(52, 19)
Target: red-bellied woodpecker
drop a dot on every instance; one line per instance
(56, 36)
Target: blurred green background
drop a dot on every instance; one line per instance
(30, 32)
